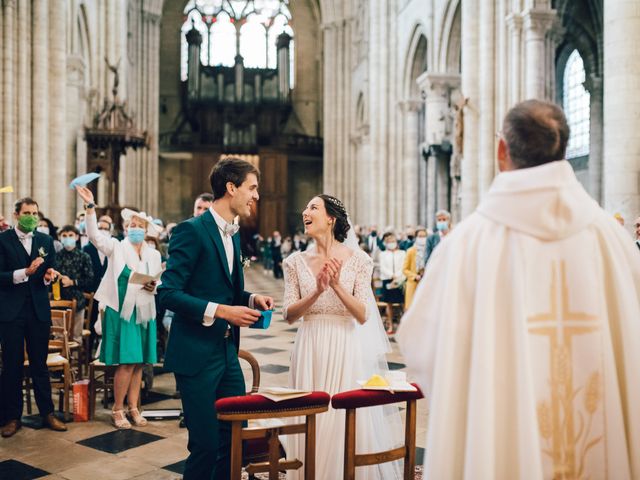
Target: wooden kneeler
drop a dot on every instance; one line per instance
(354, 399)
(238, 410)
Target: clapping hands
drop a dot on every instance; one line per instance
(329, 276)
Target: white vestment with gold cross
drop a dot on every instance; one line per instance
(525, 336)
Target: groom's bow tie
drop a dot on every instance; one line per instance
(230, 229)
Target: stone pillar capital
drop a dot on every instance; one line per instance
(408, 106)
(437, 84)
(514, 22)
(539, 22)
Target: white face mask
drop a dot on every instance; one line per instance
(421, 242)
(44, 230)
(151, 245)
(391, 245)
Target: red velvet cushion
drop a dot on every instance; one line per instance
(258, 403)
(371, 398)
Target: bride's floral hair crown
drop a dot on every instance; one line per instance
(335, 202)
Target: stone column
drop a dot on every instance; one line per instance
(60, 196)
(514, 22)
(8, 93)
(593, 85)
(40, 115)
(487, 100)
(24, 131)
(330, 108)
(470, 89)
(621, 107)
(536, 25)
(410, 167)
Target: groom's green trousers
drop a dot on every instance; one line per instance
(210, 439)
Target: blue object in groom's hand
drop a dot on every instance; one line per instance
(264, 321)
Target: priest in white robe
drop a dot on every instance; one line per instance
(525, 332)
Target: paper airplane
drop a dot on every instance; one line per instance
(7, 189)
(83, 180)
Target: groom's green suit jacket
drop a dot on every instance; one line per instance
(198, 273)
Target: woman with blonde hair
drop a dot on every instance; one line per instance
(413, 267)
(128, 322)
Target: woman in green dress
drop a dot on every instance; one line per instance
(128, 321)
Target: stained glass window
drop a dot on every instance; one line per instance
(576, 104)
(252, 26)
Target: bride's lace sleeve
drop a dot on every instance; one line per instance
(362, 285)
(291, 285)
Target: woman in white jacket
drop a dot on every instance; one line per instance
(128, 321)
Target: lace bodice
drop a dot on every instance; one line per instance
(299, 282)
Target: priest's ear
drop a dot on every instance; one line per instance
(504, 158)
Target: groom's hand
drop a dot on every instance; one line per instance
(262, 302)
(238, 316)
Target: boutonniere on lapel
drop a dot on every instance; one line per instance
(245, 261)
(42, 253)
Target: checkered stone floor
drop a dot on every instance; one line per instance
(95, 450)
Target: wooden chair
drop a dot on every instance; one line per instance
(86, 330)
(57, 361)
(238, 410)
(255, 370)
(100, 378)
(76, 348)
(354, 399)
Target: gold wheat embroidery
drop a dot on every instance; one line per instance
(565, 422)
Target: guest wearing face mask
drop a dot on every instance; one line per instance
(391, 269)
(413, 267)
(76, 273)
(129, 319)
(47, 227)
(276, 254)
(443, 227)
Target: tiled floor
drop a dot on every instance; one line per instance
(94, 450)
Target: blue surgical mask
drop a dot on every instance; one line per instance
(82, 226)
(442, 226)
(135, 235)
(68, 243)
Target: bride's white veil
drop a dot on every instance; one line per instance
(373, 338)
(374, 346)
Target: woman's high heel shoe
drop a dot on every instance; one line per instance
(120, 420)
(137, 418)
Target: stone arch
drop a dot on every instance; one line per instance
(450, 38)
(416, 62)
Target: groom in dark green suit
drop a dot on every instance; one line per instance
(204, 286)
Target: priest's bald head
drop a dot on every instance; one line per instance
(533, 133)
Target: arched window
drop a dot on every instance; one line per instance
(252, 26)
(576, 104)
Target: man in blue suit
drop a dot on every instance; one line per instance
(26, 269)
(204, 286)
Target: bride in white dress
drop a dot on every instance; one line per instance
(340, 340)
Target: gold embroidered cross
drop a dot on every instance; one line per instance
(560, 325)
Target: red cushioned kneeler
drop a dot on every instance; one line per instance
(354, 399)
(250, 407)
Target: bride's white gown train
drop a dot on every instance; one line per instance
(327, 356)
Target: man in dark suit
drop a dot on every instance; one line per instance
(204, 285)
(26, 260)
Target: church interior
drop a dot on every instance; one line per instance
(393, 106)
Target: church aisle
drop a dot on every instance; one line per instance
(96, 450)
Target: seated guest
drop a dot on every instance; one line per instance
(391, 274)
(413, 267)
(76, 273)
(129, 321)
